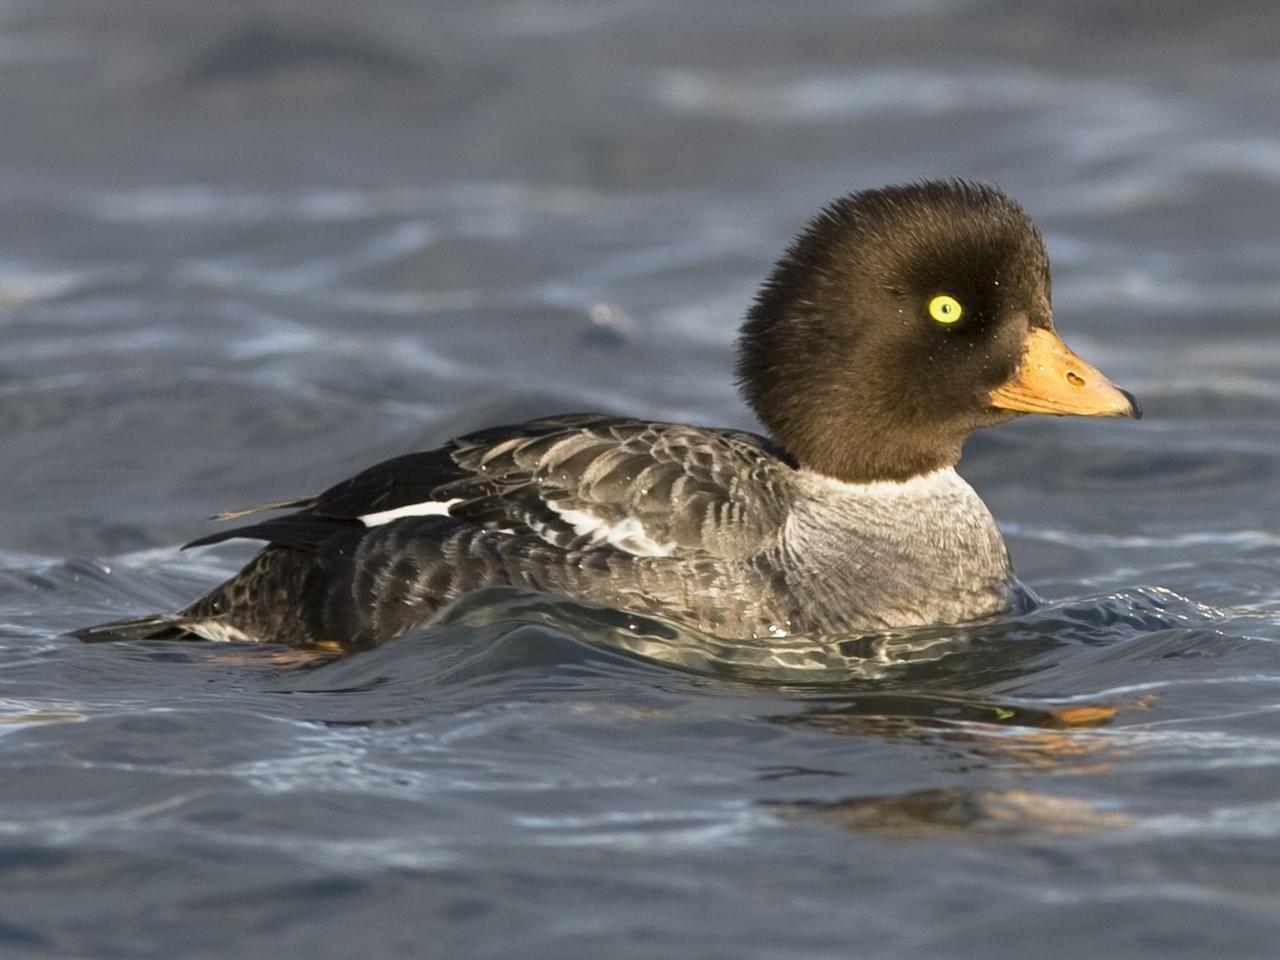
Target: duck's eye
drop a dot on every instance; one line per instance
(945, 310)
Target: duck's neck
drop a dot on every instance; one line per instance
(860, 440)
(871, 463)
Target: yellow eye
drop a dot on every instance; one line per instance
(945, 309)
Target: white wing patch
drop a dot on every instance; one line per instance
(219, 632)
(629, 535)
(428, 508)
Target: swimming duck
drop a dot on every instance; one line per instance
(898, 322)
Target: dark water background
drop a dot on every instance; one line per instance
(246, 249)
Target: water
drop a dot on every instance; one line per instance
(245, 253)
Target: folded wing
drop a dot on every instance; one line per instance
(575, 482)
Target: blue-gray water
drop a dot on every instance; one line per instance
(246, 250)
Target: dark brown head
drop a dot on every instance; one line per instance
(900, 321)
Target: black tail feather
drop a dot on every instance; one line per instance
(157, 626)
(302, 531)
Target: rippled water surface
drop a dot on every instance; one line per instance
(248, 249)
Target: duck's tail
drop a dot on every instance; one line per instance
(259, 602)
(157, 626)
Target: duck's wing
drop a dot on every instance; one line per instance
(575, 482)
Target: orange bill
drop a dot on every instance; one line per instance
(1051, 379)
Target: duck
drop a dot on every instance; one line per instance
(898, 322)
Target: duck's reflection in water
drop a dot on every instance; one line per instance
(959, 811)
(1014, 738)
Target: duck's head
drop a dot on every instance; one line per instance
(903, 319)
